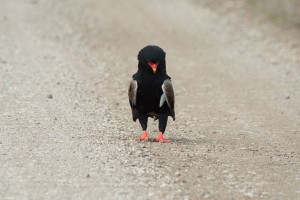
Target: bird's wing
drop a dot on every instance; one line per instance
(168, 95)
(132, 92)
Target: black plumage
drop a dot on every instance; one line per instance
(150, 92)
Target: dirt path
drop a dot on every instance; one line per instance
(65, 125)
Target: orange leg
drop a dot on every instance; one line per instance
(144, 136)
(160, 138)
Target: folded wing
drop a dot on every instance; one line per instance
(168, 95)
(132, 92)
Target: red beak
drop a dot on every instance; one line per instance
(153, 66)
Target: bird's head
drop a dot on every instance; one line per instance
(152, 58)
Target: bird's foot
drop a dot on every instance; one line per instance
(143, 138)
(160, 138)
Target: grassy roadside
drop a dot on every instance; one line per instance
(279, 11)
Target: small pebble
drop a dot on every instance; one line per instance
(50, 96)
(177, 174)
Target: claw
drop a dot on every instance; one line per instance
(143, 138)
(160, 138)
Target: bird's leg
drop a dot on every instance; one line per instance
(143, 121)
(162, 123)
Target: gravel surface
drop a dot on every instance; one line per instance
(65, 124)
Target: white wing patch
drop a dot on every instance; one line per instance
(133, 91)
(162, 100)
(163, 96)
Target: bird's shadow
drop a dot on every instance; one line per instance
(180, 141)
(187, 141)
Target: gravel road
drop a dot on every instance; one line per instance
(65, 124)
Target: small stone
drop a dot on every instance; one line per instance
(33, 2)
(50, 96)
(287, 96)
(88, 176)
(177, 174)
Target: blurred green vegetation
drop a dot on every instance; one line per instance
(284, 12)
(279, 11)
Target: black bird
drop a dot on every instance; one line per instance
(151, 92)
